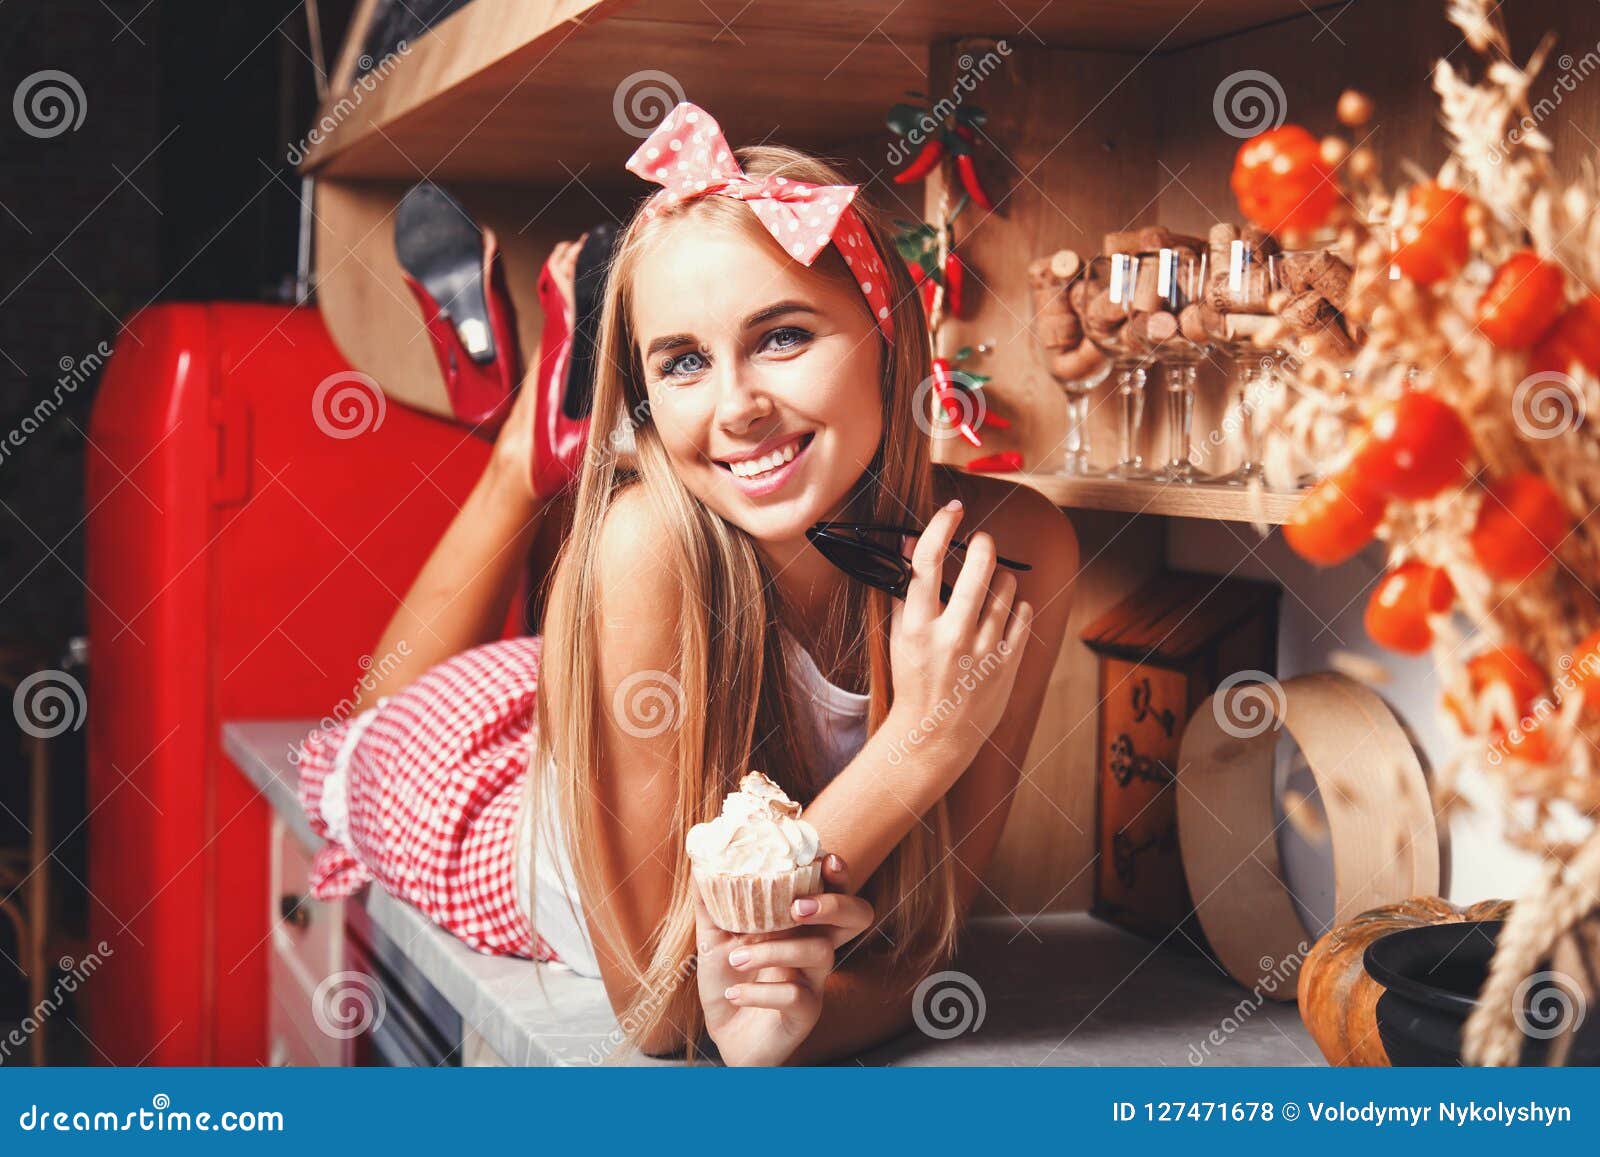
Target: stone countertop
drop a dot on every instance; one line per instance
(1059, 989)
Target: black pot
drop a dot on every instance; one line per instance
(1432, 976)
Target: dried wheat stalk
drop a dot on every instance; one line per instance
(1426, 337)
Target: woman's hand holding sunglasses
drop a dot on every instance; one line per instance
(954, 664)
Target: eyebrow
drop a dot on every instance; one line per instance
(781, 309)
(761, 316)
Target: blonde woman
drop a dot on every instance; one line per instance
(769, 354)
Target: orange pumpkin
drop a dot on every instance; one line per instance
(1338, 1000)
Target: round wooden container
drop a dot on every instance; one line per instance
(1385, 844)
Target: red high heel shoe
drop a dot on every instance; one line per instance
(566, 364)
(452, 267)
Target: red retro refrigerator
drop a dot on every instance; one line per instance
(255, 511)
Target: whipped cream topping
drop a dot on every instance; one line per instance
(759, 832)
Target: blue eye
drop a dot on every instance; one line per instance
(788, 337)
(681, 364)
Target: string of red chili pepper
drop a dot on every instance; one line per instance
(935, 149)
(955, 280)
(967, 169)
(945, 390)
(970, 181)
(1005, 462)
(951, 273)
(926, 160)
(926, 286)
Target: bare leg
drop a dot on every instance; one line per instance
(463, 593)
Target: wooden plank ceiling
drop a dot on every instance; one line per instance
(540, 92)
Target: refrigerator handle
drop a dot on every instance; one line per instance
(230, 416)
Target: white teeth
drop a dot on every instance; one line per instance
(755, 467)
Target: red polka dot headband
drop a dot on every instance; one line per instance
(689, 158)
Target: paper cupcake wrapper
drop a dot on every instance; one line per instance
(757, 903)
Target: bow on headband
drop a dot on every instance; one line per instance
(688, 157)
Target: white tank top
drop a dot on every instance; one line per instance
(838, 717)
(838, 727)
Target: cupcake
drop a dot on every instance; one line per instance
(752, 861)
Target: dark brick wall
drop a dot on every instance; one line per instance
(81, 247)
(173, 186)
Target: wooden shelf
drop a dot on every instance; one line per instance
(523, 90)
(1198, 500)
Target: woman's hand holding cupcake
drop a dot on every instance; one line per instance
(765, 929)
(762, 992)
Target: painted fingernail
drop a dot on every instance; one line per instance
(806, 906)
(835, 863)
(732, 994)
(739, 956)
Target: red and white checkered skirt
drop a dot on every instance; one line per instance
(432, 793)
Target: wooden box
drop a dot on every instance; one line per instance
(1161, 651)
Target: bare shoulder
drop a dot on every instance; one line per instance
(629, 593)
(634, 540)
(1025, 525)
(634, 578)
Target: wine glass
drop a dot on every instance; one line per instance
(1077, 388)
(1170, 281)
(1242, 296)
(1107, 314)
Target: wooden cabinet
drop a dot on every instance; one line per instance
(306, 960)
(342, 990)
(1162, 650)
(288, 1042)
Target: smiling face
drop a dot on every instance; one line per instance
(763, 376)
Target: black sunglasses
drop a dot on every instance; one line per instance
(846, 546)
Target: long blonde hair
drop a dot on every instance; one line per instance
(756, 722)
